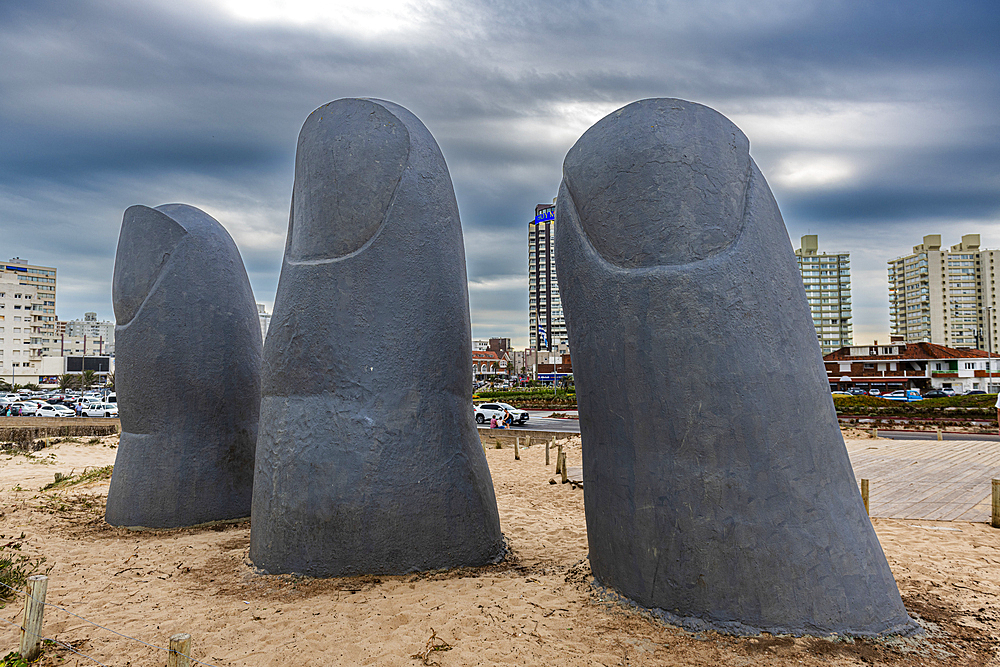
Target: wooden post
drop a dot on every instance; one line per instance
(517, 449)
(527, 441)
(546, 452)
(939, 433)
(180, 651)
(874, 432)
(864, 495)
(562, 462)
(559, 460)
(996, 504)
(31, 625)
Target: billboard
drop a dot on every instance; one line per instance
(80, 364)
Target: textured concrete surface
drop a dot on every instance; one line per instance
(718, 487)
(188, 356)
(368, 459)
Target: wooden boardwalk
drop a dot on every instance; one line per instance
(927, 479)
(947, 480)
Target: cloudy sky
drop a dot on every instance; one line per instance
(874, 123)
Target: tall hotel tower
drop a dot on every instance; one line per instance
(546, 326)
(827, 279)
(944, 296)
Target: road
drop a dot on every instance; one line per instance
(539, 421)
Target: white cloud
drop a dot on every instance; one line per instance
(811, 170)
(366, 19)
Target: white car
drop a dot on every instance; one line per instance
(100, 410)
(49, 410)
(487, 411)
(27, 408)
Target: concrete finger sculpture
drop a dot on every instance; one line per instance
(369, 460)
(187, 372)
(719, 490)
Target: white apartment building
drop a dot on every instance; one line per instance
(827, 279)
(98, 336)
(19, 354)
(945, 296)
(265, 320)
(40, 283)
(546, 324)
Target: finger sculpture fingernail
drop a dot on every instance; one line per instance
(188, 357)
(719, 490)
(368, 460)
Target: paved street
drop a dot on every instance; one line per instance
(539, 421)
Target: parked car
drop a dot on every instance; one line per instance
(50, 410)
(936, 393)
(100, 410)
(857, 392)
(874, 392)
(23, 408)
(975, 392)
(904, 395)
(487, 411)
(840, 393)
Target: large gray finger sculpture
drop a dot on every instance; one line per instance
(369, 460)
(718, 487)
(187, 372)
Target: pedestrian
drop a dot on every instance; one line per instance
(493, 421)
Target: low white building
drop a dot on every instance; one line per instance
(923, 366)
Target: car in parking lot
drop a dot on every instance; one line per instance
(49, 410)
(903, 395)
(975, 392)
(487, 411)
(100, 410)
(936, 393)
(874, 392)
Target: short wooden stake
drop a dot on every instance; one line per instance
(874, 432)
(517, 449)
(996, 504)
(31, 625)
(546, 452)
(864, 495)
(559, 459)
(939, 433)
(562, 462)
(527, 441)
(180, 651)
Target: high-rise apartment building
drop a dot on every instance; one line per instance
(827, 279)
(265, 320)
(98, 335)
(943, 296)
(34, 289)
(546, 325)
(17, 316)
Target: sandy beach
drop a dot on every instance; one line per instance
(536, 608)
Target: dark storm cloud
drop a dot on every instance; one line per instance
(107, 104)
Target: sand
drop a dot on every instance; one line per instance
(536, 608)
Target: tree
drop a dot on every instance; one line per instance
(88, 379)
(68, 381)
(111, 381)
(31, 386)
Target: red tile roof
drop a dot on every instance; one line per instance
(910, 351)
(484, 355)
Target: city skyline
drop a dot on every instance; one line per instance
(874, 126)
